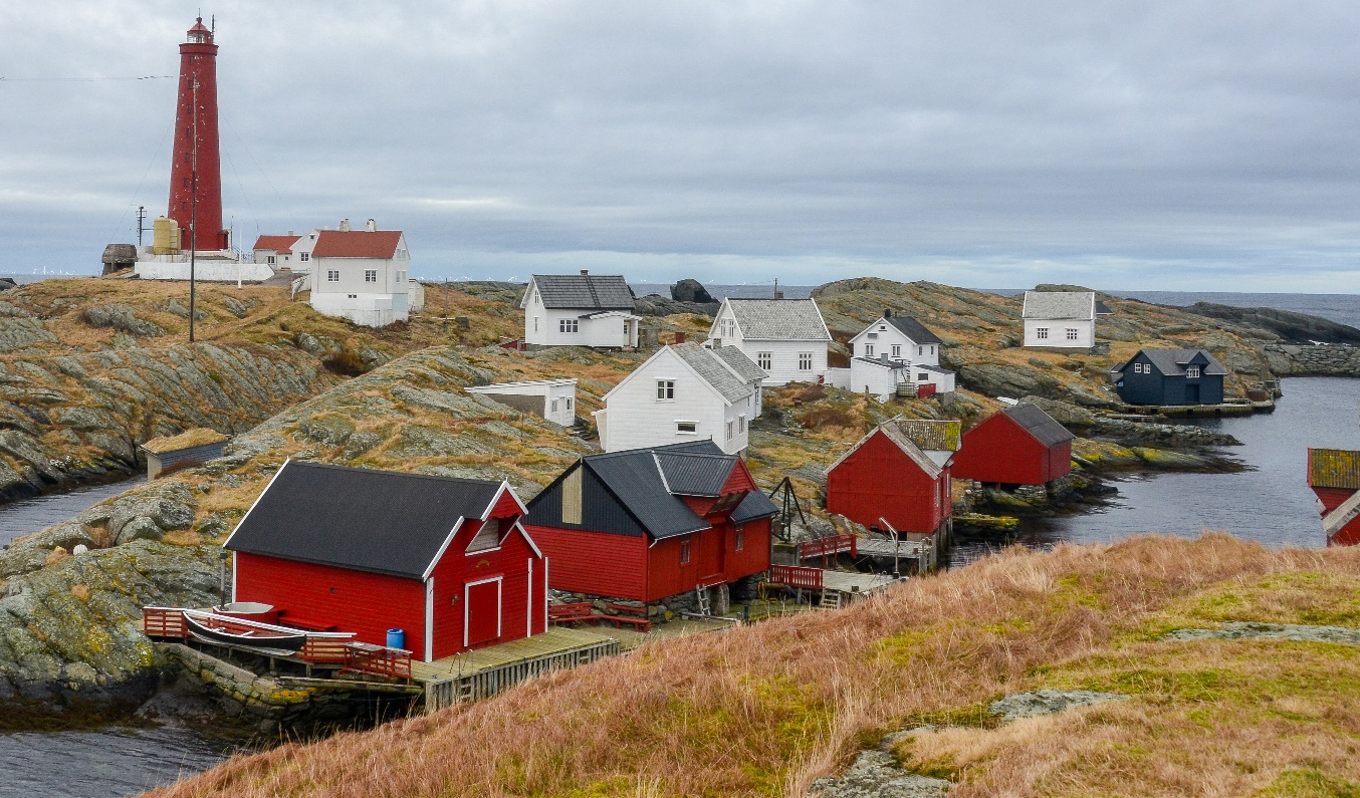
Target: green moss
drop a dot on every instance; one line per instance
(1309, 783)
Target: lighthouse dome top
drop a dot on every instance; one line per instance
(199, 34)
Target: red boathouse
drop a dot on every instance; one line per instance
(1021, 445)
(1334, 476)
(898, 473)
(648, 524)
(358, 550)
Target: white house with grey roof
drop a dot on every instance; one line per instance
(894, 356)
(786, 338)
(1060, 319)
(685, 392)
(579, 310)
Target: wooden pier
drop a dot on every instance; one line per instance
(479, 674)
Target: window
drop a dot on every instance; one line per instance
(569, 402)
(269, 259)
(1041, 332)
(896, 350)
(764, 359)
(665, 390)
(932, 350)
(740, 543)
(920, 350)
(488, 537)
(868, 350)
(370, 275)
(1192, 372)
(923, 377)
(1071, 333)
(729, 430)
(805, 361)
(741, 423)
(304, 256)
(684, 552)
(686, 427)
(1139, 368)
(332, 275)
(568, 325)
(554, 406)
(535, 324)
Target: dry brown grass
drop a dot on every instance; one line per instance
(766, 709)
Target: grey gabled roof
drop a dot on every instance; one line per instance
(755, 505)
(745, 367)
(635, 478)
(1172, 362)
(1039, 424)
(1059, 305)
(709, 366)
(890, 430)
(914, 329)
(583, 292)
(779, 319)
(359, 518)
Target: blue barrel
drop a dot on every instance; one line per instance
(396, 638)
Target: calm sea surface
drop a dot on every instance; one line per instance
(1270, 503)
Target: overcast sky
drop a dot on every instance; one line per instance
(1182, 146)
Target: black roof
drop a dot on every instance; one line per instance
(695, 474)
(755, 505)
(1172, 362)
(359, 518)
(584, 291)
(1039, 424)
(913, 329)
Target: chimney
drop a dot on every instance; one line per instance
(371, 226)
(887, 313)
(680, 337)
(344, 225)
(290, 232)
(584, 272)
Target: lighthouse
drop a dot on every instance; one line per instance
(196, 173)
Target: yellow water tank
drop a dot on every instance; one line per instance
(165, 236)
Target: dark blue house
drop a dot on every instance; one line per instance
(1170, 377)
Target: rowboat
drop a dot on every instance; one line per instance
(262, 638)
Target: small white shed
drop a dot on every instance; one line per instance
(554, 400)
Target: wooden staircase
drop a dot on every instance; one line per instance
(831, 600)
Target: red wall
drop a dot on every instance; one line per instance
(602, 564)
(597, 563)
(1000, 450)
(879, 480)
(1332, 498)
(370, 604)
(352, 601)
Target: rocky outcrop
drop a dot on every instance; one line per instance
(1131, 433)
(1292, 327)
(70, 634)
(997, 379)
(68, 418)
(691, 290)
(1047, 702)
(1328, 360)
(657, 305)
(876, 774)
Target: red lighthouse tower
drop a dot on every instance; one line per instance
(196, 173)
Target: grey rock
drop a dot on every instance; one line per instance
(81, 418)
(691, 290)
(1239, 630)
(180, 309)
(360, 443)
(236, 307)
(121, 317)
(875, 774)
(139, 528)
(1047, 702)
(1293, 327)
(329, 429)
(17, 335)
(1330, 360)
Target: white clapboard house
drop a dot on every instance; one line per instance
(1060, 319)
(684, 392)
(362, 275)
(554, 400)
(893, 356)
(579, 310)
(787, 338)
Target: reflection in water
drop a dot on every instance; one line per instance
(1270, 503)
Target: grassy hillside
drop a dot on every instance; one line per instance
(765, 710)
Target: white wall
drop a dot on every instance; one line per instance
(559, 397)
(908, 349)
(416, 292)
(1057, 332)
(880, 381)
(784, 359)
(636, 419)
(209, 270)
(351, 273)
(368, 310)
(542, 327)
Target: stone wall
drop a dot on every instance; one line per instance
(1324, 360)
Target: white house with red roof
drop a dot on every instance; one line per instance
(290, 251)
(361, 275)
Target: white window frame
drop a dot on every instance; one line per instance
(304, 256)
(1041, 333)
(1192, 372)
(332, 275)
(568, 325)
(896, 350)
(685, 553)
(680, 428)
(269, 259)
(729, 430)
(805, 361)
(868, 350)
(665, 390)
(1073, 334)
(370, 275)
(765, 360)
(739, 540)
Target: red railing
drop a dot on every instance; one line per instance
(829, 546)
(321, 648)
(796, 576)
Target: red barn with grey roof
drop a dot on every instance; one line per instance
(1021, 445)
(898, 473)
(359, 550)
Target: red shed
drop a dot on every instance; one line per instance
(899, 472)
(1334, 475)
(1021, 445)
(647, 524)
(358, 550)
